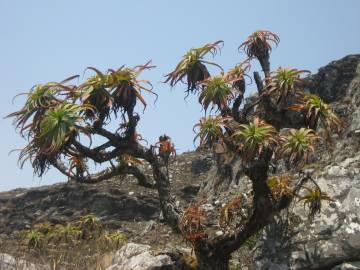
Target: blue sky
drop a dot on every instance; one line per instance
(44, 40)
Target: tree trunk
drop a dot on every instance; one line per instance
(264, 58)
(211, 259)
(170, 212)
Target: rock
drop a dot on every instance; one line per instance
(337, 171)
(219, 233)
(332, 239)
(8, 262)
(138, 257)
(332, 81)
(201, 165)
(348, 266)
(149, 227)
(208, 207)
(61, 203)
(189, 192)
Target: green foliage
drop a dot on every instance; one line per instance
(89, 225)
(217, 91)
(251, 242)
(93, 92)
(67, 233)
(115, 238)
(298, 144)
(285, 81)
(210, 130)
(125, 86)
(34, 239)
(39, 99)
(254, 138)
(80, 244)
(115, 90)
(58, 126)
(313, 200)
(318, 113)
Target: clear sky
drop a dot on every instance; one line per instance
(49, 40)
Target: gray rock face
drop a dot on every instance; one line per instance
(332, 240)
(62, 202)
(331, 82)
(138, 257)
(347, 266)
(201, 165)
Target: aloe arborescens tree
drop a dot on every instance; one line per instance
(57, 117)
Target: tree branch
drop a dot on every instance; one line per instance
(102, 156)
(108, 173)
(112, 137)
(103, 146)
(263, 207)
(120, 170)
(62, 168)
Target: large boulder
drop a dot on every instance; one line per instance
(8, 262)
(139, 257)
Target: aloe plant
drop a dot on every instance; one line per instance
(125, 87)
(259, 45)
(210, 130)
(258, 41)
(313, 200)
(216, 91)
(285, 82)
(237, 75)
(192, 66)
(39, 99)
(298, 144)
(59, 125)
(254, 137)
(280, 186)
(318, 113)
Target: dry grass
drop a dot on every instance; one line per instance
(81, 244)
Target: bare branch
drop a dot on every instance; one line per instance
(120, 170)
(62, 168)
(107, 174)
